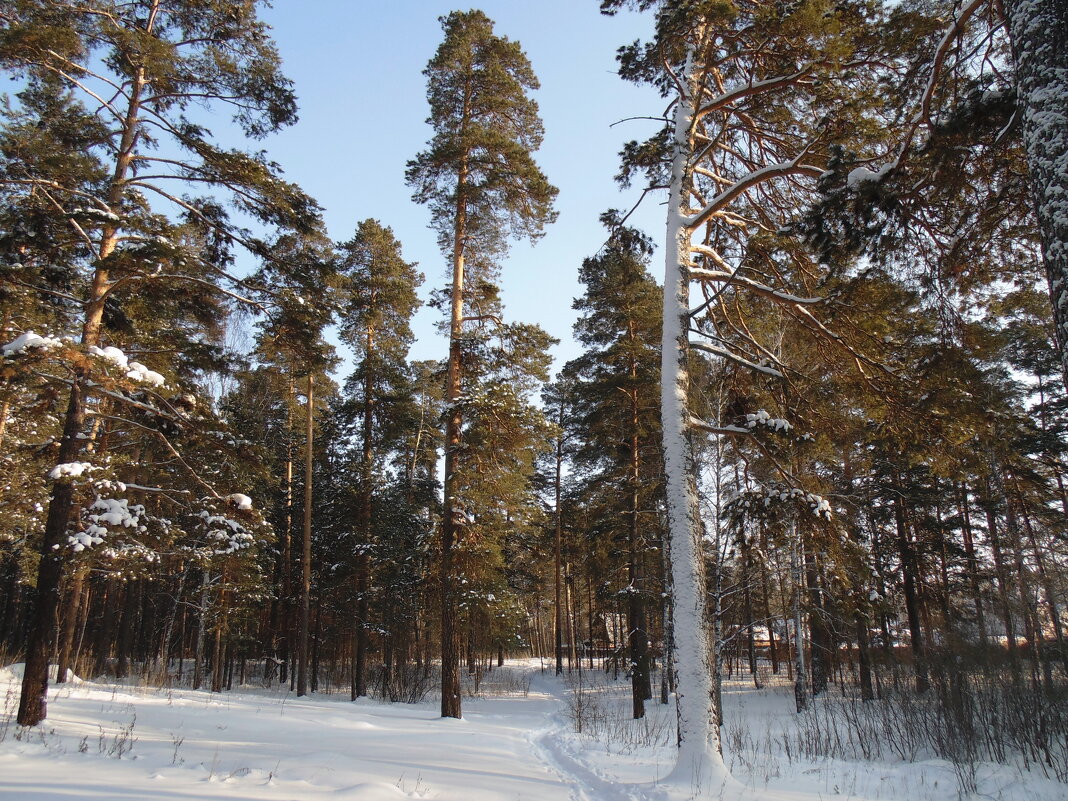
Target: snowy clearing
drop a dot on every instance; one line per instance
(130, 742)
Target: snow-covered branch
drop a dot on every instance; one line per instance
(782, 169)
(732, 277)
(756, 87)
(701, 425)
(726, 354)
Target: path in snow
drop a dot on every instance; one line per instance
(268, 745)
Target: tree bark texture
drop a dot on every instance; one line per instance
(1039, 33)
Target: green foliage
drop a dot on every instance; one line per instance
(485, 130)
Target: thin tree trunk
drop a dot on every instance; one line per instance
(305, 562)
(202, 628)
(285, 625)
(130, 610)
(70, 622)
(909, 575)
(1002, 580)
(168, 630)
(452, 519)
(637, 622)
(217, 651)
(972, 560)
(316, 648)
(819, 631)
(747, 611)
(800, 677)
(557, 550)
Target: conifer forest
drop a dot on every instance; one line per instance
(808, 453)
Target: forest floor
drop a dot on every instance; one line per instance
(516, 742)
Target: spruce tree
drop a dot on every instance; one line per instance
(479, 179)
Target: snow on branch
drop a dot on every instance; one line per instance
(28, 340)
(105, 513)
(782, 169)
(70, 470)
(732, 277)
(759, 502)
(753, 88)
(135, 371)
(726, 354)
(700, 425)
(762, 418)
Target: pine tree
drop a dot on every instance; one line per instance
(739, 157)
(617, 391)
(482, 186)
(156, 59)
(381, 290)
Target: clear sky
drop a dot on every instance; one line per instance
(357, 68)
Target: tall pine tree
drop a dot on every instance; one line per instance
(479, 179)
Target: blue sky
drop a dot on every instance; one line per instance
(357, 69)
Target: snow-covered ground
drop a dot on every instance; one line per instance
(121, 742)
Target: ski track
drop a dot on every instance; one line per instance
(546, 744)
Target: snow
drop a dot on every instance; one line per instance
(69, 470)
(138, 372)
(862, 175)
(762, 418)
(135, 371)
(104, 512)
(29, 340)
(107, 741)
(239, 501)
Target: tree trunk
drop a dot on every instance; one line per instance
(909, 575)
(641, 689)
(558, 633)
(800, 678)
(33, 699)
(286, 623)
(1039, 33)
(70, 622)
(972, 560)
(452, 519)
(747, 611)
(168, 629)
(699, 763)
(130, 610)
(363, 558)
(819, 631)
(202, 629)
(305, 562)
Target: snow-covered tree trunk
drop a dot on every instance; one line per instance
(1039, 33)
(700, 765)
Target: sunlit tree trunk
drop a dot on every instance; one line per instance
(699, 764)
